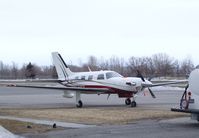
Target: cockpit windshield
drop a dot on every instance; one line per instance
(112, 75)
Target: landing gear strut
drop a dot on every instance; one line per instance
(128, 101)
(133, 103)
(79, 103)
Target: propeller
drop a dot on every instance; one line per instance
(139, 75)
(152, 94)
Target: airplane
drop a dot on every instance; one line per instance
(96, 82)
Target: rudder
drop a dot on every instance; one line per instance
(62, 69)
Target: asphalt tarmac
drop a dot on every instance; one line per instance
(12, 97)
(174, 128)
(36, 98)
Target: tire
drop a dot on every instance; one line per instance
(133, 104)
(79, 104)
(128, 101)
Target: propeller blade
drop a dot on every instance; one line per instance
(152, 94)
(139, 75)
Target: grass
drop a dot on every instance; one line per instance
(19, 127)
(99, 116)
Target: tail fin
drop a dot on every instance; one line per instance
(62, 69)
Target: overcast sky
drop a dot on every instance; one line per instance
(31, 30)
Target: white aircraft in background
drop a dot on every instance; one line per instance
(97, 82)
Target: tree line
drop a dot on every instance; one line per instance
(158, 65)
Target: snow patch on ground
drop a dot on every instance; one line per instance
(6, 134)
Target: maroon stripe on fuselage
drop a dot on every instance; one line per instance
(121, 93)
(97, 86)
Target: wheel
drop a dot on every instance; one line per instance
(184, 104)
(128, 101)
(133, 104)
(79, 104)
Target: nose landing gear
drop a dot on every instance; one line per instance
(133, 104)
(79, 103)
(129, 102)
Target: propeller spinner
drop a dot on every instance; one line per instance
(139, 75)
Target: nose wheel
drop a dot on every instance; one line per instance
(128, 101)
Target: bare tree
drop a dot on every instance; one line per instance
(157, 65)
(139, 63)
(30, 71)
(186, 67)
(5, 72)
(163, 64)
(1, 69)
(176, 69)
(14, 70)
(92, 63)
(54, 72)
(103, 64)
(116, 64)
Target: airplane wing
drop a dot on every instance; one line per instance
(64, 88)
(45, 85)
(30, 80)
(149, 85)
(164, 83)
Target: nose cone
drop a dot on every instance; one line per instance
(148, 82)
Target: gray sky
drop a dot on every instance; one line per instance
(31, 30)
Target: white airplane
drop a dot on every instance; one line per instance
(97, 82)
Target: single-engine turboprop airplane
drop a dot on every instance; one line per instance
(97, 82)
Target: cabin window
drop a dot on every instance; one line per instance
(90, 77)
(100, 77)
(112, 75)
(83, 77)
(76, 77)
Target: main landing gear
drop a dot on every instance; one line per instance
(129, 102)
(79, 103)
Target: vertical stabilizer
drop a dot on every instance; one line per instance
(62, 69)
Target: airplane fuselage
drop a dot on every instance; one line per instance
(123, 86)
